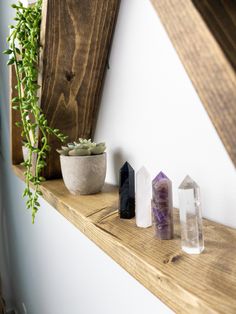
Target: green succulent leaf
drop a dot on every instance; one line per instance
(82, 148)
(63, 152)
(18, 124)
(79, 152)
(7, 52)
(15, 99)
(97, 150)
(71, 145)
(16, 107)
(11, 61)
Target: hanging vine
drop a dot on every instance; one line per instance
(24, 50)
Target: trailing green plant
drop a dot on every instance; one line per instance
(82, 148)
(24, 50)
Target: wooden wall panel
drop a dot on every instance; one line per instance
(206, 59)
(76, 38)
(16, 141)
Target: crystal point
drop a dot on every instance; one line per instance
(162, 207)
(188, 183)
(159, 177)
(126, 192)
(192, 241)
(143, 199)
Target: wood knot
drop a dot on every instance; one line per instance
(172, 259)
(69, 75)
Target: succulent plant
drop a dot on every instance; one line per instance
(82, 148)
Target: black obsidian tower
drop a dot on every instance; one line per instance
(126, 192)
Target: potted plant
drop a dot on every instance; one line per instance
(24, 51)
(83, 166)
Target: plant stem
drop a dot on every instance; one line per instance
(27, 33)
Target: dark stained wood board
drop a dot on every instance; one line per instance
(15, 132)
(195, 284)
(206, 57)
(220, 17)
(76, 38)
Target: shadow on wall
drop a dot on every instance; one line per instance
(5, 285)
(117, 161)
(2, 302)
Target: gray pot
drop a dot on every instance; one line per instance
(84, 174)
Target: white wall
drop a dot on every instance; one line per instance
(150, 114)
(5, 267)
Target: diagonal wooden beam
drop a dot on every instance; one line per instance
(206, 59)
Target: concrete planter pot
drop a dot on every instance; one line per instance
(84, 174)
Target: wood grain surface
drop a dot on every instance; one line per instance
(76, 38)
(204, 283)
(15, 132)
(220, 16)
(210, 65)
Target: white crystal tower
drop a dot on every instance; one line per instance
(190, 217)
(143, 214)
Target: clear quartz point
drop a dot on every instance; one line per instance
(192, 241)
(143, 199)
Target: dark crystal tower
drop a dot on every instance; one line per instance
(127, 192)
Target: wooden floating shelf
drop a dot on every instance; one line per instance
(204, 283)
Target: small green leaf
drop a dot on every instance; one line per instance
(15, 99)
(18, 51)
(16, 107)
(7, 52)
(11, 61)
